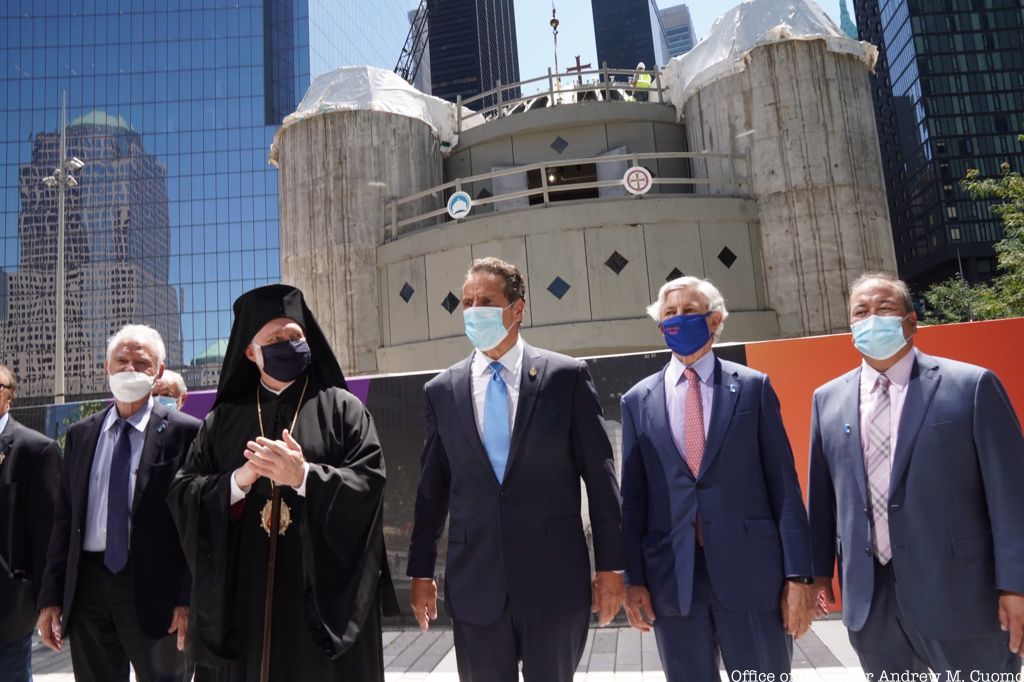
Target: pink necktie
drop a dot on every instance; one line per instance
(693, 427)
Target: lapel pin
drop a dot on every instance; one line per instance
(533, 372)
(161, 427)
(732, 388)
(2, 457)
(846, 429)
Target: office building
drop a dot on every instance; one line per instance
(678, 29)
(472, 47)
(172, 108)
(949, 96)
(627, 32)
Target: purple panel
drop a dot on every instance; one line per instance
(198, 403)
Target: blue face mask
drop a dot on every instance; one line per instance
(686, 334)
(167, 401)
(879, 337)
(484, 326)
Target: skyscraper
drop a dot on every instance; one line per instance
(846, 24)
(627, 32)
(173, 106)
(472, 46)
(678, 29)
(949, 96)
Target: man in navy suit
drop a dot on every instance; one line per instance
(511, 431)
(718, 547)
(916, 480)
(115, 582)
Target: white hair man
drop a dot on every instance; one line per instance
(170, 390)
(114, 554)
(710, 495)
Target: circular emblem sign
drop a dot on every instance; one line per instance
(637, 180)
(459, 205)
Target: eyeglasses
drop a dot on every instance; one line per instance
(9, 388)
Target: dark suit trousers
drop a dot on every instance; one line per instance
(549, 649)
(748, 641)
(104, 632)
(889, 644)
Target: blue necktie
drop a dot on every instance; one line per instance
(118, 505)
(496, 433)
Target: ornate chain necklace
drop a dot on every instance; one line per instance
(286, 513)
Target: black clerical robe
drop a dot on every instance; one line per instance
(330, 562)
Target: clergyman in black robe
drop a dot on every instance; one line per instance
(318, 444)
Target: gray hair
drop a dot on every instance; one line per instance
(172, 378)
(902, 290)
(141, 334)
(716, 302)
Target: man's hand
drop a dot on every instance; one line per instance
(825, 596)
(638, 608)
(607, 594)
(279, 460)
(423, 600)
(179, 624)
(246, 475)
(1011, 619)
(799, 604)
(49, 627)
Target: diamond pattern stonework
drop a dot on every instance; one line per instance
(675, 274)
(559, 144)
(616, 262)
(727, 257)
(559, 288)
(407, 292)
(450, 303)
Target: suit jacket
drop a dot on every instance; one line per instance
(522, 539)
(159, 576)
(29, 478)
(746, 492)
(955, 498)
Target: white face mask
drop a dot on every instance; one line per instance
(129, 387)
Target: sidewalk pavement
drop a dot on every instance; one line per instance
(617, 654)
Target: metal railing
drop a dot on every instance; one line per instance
(504, 99)
(735, 184)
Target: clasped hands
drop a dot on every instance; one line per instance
(279, 460)
(607, 594)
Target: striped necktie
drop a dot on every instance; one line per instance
(879, 468)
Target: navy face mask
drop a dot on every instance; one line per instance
(686, 334)
(286, 360)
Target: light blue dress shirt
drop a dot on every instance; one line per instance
(676, 387)
(99, 478)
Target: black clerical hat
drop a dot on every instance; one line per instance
(253, 309)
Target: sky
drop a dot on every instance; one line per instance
(576, 30)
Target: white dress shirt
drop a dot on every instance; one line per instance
(511, 373)
(99, 478)
(676, 387)
(238, 493)
(899, 377)
(3, 420)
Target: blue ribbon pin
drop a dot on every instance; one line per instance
(846, 429)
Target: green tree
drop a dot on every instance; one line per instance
(955, 300)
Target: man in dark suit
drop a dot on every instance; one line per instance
(718, 547)
(511, 431)
(29, 476)
(916, 480)
(115, 572)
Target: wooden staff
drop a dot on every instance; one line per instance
(268, 608)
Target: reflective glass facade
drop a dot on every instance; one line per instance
(627, 32)
(472, 46)
(949, 96)
(172, 108)
(678, 30)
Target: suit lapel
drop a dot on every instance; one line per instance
(853, 451)
(924, 380)
(152, 446)
(727, 388)
(531, 378)
(658, 425)
(462, 394)
(7, 438)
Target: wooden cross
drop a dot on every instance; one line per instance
(578, 69)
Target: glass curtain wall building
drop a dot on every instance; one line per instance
(678, 29)
(627, 32)
(172, 108)
(949, 96)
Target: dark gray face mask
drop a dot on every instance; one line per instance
(286, 360)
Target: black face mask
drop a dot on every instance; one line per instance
(286, 360)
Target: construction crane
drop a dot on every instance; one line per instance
(415, 45)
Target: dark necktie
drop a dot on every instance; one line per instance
(118, 503)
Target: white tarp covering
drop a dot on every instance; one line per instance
(749, 24)
(368, 88)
